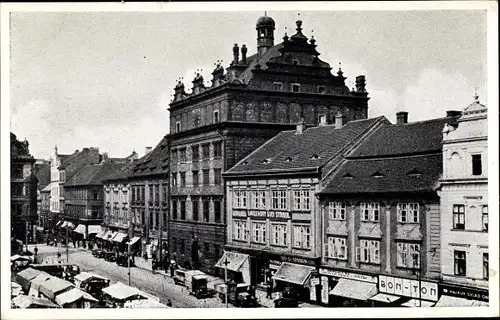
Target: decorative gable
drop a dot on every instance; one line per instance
(370, 230)
(408, 232)
(336, 227)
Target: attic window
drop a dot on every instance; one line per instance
(295, 87)
(348, 176)
(295, 61)
(315, 157)
(321, 89)
(289, 159)
(377, 175)
(414, 173)
(245, 163)
(265, 161)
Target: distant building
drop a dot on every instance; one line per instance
(148, 182)
(23, 184)
(62, 168)
(215, 126)
(274, 221)
(381, 219)
(42, 171)
(84, 197)
(464, 206)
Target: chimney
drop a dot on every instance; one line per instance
(322, 120)
(105, 156)
(453, 113)
(360, 84)
(402, 117)
(244, 54)
(301, 126)
(339, 120)
(76, 151)
(148, 150)
(236, 53)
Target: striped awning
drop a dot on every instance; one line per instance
(80, 229)
(119, 237)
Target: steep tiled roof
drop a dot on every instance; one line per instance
(401, 174)
(94, 174)
(415, 137)
(154, 163)
(76, 161)
(311, 149)
(252, 61)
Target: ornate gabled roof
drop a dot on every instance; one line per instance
(475, 109)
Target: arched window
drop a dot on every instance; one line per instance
(456, 168)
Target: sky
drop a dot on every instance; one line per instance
(105, 79)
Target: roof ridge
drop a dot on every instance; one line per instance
(420, 121)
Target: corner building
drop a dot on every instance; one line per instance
(248, 103)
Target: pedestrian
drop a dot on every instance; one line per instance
(269, 291)
(169, 303)
(153, 265)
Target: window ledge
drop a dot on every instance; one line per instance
(336, 259)
(370, 263)
(469, 230)
(411, 223)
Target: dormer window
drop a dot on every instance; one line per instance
(322, 118)
(266, 161)
(348, 176)
(278, 86)
(295, 87)
(289, 159)
(321, 89)
(178, 126)
(315, 157)
(245, 163)
(295, 62)
(414, 173)
(216, 116)
(377, 175)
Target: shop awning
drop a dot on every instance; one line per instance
(119, 237)
(59, 223)
(109, 235)
(67, 224)
(94, 229)
(134, 240)
(100, 234)
(293, 273)
(80, 229)
(354, 289)
(449, 301)
(234, 261)
(384, 297)
(415, 303)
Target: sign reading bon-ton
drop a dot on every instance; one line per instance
(408, 288)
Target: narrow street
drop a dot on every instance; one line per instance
(155, 284)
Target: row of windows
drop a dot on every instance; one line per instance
(154, 219)
(179, 209)
(301, 199)
(139, 193)
(280, 235)
(180, 155)
(180, 247)
(295, 87)
(216, 119)
(406, 212)
(459, 216)
(179, 178)
(460, 264)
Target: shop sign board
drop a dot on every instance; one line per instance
(423, 290)
(325, 291)
(269, 214)
(298, 260)
(468, 293)
(348, 275)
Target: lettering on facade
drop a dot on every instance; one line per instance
(312, 289)
(408, 288)
(269, 214)
(348, 275)
(471, 293)
(473, 197)
(297, 260)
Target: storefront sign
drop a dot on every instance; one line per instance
(348, 275)
(473, 197)
(408, 288)
(297, 260)
(273, 264)
(312, 289)
(269, 214)
(468, 293)
(325, 291)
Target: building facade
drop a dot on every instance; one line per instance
(62, 168)
(381, 219)
(214, 127)
(84, 198)
(274, 216)
(23, 185)
(148, 180)
(464, 203)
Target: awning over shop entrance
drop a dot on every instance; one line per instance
(234, 261)
(95, 229)
(67, 224)
(354, 289)
(384, 297)
(415, 303)
(80, 229)
(119, 237)
(293, 273)
(449, 301)
(134, 240)
(101, 234)
(109, 235)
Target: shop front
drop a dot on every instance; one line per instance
(451, 295)
(347, 289)
(237, 266)
(294, 278)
